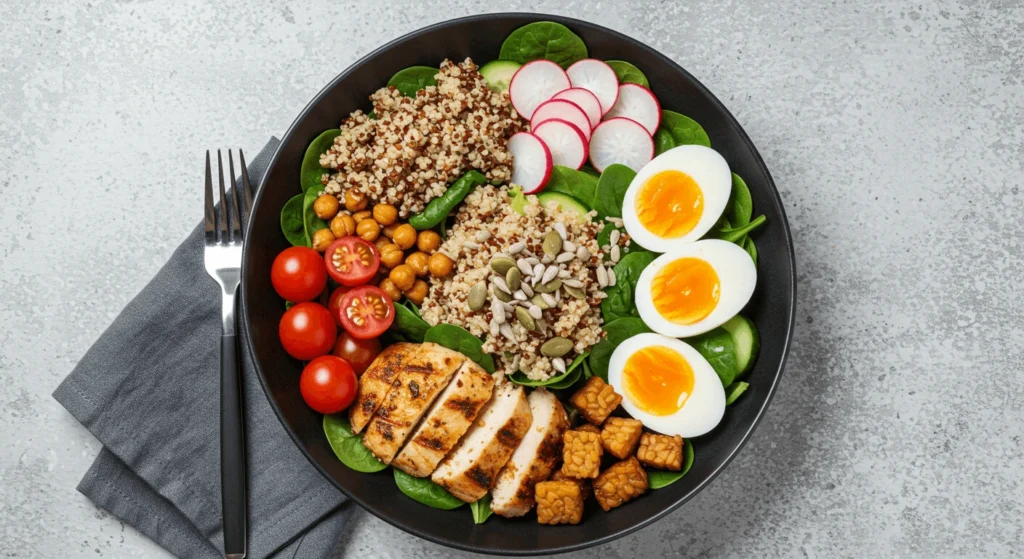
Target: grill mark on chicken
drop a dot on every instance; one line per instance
(479, 477)
(464, 406)
(508, 438)
(429, 442)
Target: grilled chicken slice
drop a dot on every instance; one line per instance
(471, 469)
(534, 459)
(376, 382)
(448, 419)
(423, 376)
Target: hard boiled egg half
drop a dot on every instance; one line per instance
(677, 197)
(695, 287)
(667, 385)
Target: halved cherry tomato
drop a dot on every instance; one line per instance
(358, 353)
(334, 303)
(328, 384)
(366, 312)
(307, 331)
(351, 261)
(298, 274)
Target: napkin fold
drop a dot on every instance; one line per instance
(149, 390)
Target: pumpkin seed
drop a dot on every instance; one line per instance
(477, 296)
(548, 287)
(501, 295)
(502, 264)
(540, 302)
(559, 364)
(575, 292)
(513, 278)
(525, 319)
(552, 244)
(556, 347)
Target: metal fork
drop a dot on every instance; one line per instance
(223, 260)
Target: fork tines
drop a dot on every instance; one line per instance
(230, 223)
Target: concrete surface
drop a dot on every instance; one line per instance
(893, 129)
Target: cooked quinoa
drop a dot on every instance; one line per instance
(486, 226)
(416, 146)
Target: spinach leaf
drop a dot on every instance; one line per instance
(663, 141)
(557, 382)
(616, 332)
(680, 130)
(412, 307)
(292, 224)
(461, 340)
(544, 40)
(571, 182)
(734, 391)
(311, 171)
(413, 79)
(740, 206)
(409, 324)
(587, 373)
(481, 509)
(348, 447)
(748, 245)
(718, 347)
(611, 190)
(627, 73)
(425, 491)
(656, 479)
(737, 234)
(439, 208)
(590, 171)
(310, 222)
(621, 300)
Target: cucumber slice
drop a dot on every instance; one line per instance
(744, 335)
(498, 73)
(565, 202)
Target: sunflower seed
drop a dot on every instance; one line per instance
(556, 347)
(572, 283)
(525, 288)
(549, 300)
(477, 296)
(611, 277)
(498, 311)
(471, 245)
(534, 311)
(538, 270)
(500, 284)
(482, 235)
(602, 277)
(616, 254)
(552, 243)
(506, 330)
(542, 327)
(532, 260)
(613, 239)
(569, 246)
(559, 364)
(519, 295)
(524, 318)
(565, 257)
(516, 248)
(513, 278)
(539, 301)
(516, 361)
(547, 259)
(501, 295)
(616, 220)
(582, 253)
(575, 292)
(494, 326)
(549, 274)
(564, 274)
(560, 227)
(509, 307)
(524, 267)
(502, 264)
(558, 295)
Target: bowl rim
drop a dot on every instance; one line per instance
(730, 121)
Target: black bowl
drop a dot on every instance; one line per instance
(772, 307)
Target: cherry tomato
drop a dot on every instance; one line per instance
(351, 261)
(358, 353)
(334, 303)
(307, 330)
(366, 312)
(298, 274)
(328, 384)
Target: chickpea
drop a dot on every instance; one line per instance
(326, 206)
(403, 276)
(361, 216)
(418, 292)
(355, 200)
(418, 262)
(390, 254)
(428, 241)
(389, 230)
(389, 287)
(385, 214)
(322, 239)
(404, 236)
(440, 265)
(368, 230)
(381, 242)
(343, 225)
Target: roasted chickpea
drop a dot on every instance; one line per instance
(428, 241)
(418, 262)
(403, 276)
(322, 239)
(390, 254)
(362, 216)
(343, 225)
(381, 241)
(418, 292)
(385, 214)
(326, 206)
(368, 230)
(389, 287)
(389, 230)
(404, 236)
(440, 265)
(355, 200)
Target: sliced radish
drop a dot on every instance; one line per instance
(586, 101)
(566, 141)
(620, 140)
(564, 110)
(638, 103)
(535, 83)
(531, 161)
(598, 78)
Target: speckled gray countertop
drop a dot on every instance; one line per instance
(895, 132)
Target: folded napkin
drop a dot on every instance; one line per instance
(149, 390)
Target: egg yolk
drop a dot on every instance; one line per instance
(669, 204)
(685, 290)
(658, 380)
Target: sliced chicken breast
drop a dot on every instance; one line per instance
(471, 469)
(448, 419)
(423, 376)
(534, 459)
(376, 382)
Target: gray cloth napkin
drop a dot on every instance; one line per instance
(149, 391)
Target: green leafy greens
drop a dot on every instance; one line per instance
(348, 446)
(423, 490)
(734, 391)
(481, 509)
(627, 73)
(656, 479)
(577, 184)
(718, 347)
(461, 340)
(678, 130)
(611, 190)
(310, 222)
(545, 40)
(292, 224)
(409, 324)
(621, 299)
(311, 172)
(413, 79)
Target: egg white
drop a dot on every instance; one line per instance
(703, 409)
(737, 277)
(712, 175)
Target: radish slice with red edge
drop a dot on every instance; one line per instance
(638, 103)
(598, 78)
(531, 162)
(535, 83)
(621, 140)
(566, 141)
(586, 101)
(564, 110)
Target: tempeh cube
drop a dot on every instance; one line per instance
(585, 488)
(661, 451)
(620, 436)
(559, 502)
(596, 400)
(621, 482)
(581, 454)
(588, 427)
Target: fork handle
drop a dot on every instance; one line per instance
(232, 450)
